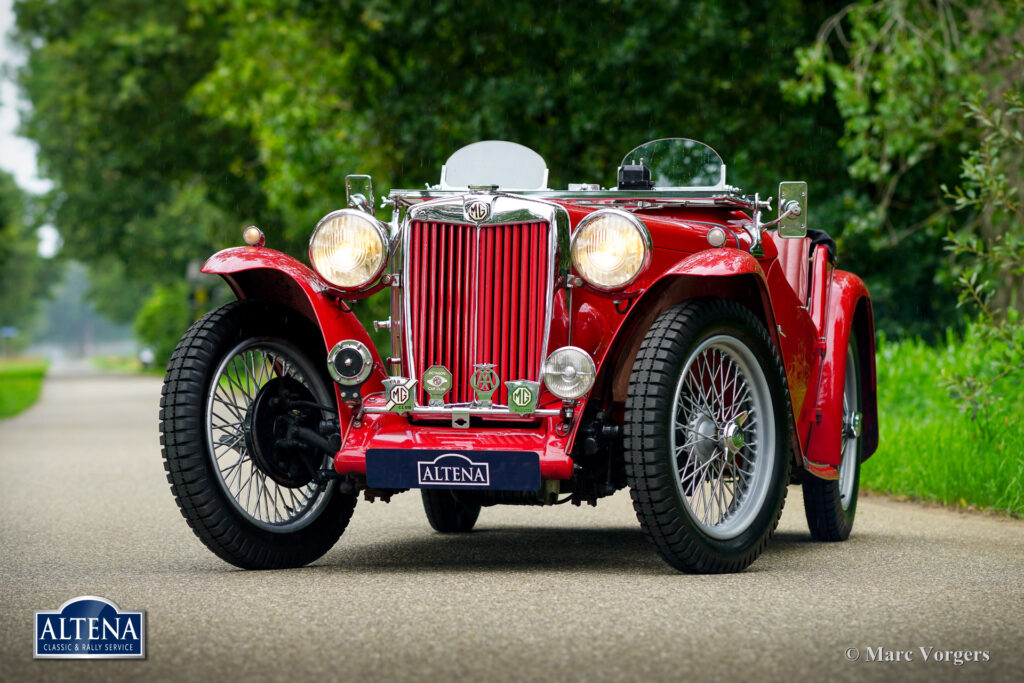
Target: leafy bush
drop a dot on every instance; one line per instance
(990, 248)
(163, 319)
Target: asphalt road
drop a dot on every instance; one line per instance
(535, 594)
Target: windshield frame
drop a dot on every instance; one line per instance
(465, 155)
(721, 195)
(634, 156)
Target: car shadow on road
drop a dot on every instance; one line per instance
(519, 548)
(613, 550)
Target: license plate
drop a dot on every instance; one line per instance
(397, 468)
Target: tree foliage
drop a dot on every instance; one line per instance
(990, 246)
(139, 176)
(23, 273)
(167, 126)
(392, 87)
(898, 72)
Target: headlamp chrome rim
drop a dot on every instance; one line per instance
(637, 224)
(590, 374)
(382, 233)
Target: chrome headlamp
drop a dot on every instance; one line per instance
(569, 372)
(610, 248)
(349, 249)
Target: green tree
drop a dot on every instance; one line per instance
(161, 320)
(24, 275)
(990, 246)
(138, 174)
(898, 72)
(392, 87)
(143, 183)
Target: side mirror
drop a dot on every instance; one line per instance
(792, 209)
(359, 192)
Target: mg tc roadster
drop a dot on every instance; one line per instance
(546, 346)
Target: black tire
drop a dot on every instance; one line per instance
(200, 490)
(661, 499)
(831, 505)
(447, 514)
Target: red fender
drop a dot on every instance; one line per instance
(717, 262)
(269, 275)
(849, 312)
(725, 273)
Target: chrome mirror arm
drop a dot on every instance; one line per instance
(792, 208)
(755, 227)
(358, 201)
(359, 193)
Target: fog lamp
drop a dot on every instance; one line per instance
(569, 372)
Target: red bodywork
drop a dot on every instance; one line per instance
(809, 308)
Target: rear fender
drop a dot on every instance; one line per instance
(849, 313)
(269, 275)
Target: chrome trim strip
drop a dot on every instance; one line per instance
(729, 197)
(505, 209)
(493, 411)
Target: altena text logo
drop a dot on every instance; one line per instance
(89, 627)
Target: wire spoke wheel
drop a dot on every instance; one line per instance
(850, 441)
(244, 371)
(721, 442)
(707, 436)
(242, 381)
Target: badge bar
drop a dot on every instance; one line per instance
(400, 393)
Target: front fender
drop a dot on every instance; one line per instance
(724, 273)
(269, 275)
(849, 313)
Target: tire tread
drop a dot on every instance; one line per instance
(189, 472)
(651, 480)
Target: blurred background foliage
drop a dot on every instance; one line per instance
(23, 273)
(166, 127)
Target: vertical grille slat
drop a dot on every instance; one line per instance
(477, 299)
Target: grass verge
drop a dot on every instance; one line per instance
(20, 382)
(929, 449)
(124, 364)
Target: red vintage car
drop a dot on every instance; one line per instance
(547, 346)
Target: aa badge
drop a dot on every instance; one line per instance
(484, 381)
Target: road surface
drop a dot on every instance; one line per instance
(536, 594)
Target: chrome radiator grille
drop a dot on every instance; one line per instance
(477, 294)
